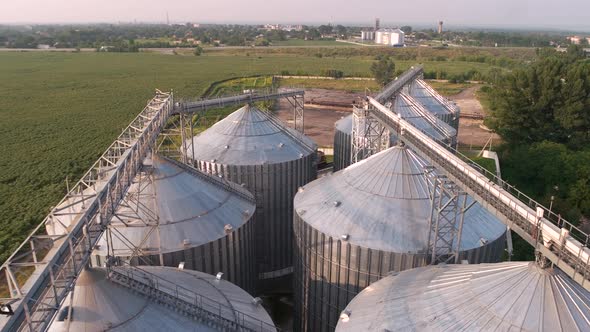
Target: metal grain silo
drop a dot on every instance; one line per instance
(510, 296)
(435, 103)
(354, 226)
(409, 109)
(99, 303)
(342, 143)
(173, 213)
(254, 148)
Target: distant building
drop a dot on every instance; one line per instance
(377, 27)
(576, 40)
(368, 35)
(587, 52)
(391, 37)
(440, 27)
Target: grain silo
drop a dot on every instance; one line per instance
(510, 296)
(342, 143)
(354, 226)
(435, 103)
(252, 147)
(99, 303)
(409, 109)
(173, 213)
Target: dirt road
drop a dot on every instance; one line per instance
(323, 108)
(470, 132)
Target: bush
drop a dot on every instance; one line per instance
(332, 73)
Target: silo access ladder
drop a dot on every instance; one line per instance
(194, 305)
(555, 239)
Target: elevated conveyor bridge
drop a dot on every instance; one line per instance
(557, 241)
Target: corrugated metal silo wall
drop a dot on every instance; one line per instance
(451, 119)
(342, 149)
(274, 187)
(330, 272)
(232, 254)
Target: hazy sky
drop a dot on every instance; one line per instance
(526, 13)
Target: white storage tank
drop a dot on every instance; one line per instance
(254, 148)
(510, 296)
(354, 226)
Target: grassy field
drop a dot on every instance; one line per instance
(448, 89)
(347, 85)
(59, 111)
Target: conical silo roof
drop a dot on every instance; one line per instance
(171, 207)
(345, 124)
(100, 304)
(435, 103)
(383, 203)
(250, 136)
(406, 106)
(510, 296)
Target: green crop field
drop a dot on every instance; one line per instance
(59, 111)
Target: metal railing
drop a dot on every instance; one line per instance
(48, 272)
(564, 244)
(182, 299)
(251, 97)
(226, 185)
(396, 85)
(443, 101)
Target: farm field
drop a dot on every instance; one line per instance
(59, 111)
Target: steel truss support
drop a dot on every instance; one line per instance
(298, 103)
(74, 227)
(369, 136)
(448, 207)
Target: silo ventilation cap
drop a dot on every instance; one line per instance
(256, 301)
(219, 275)
(345, 315)
(345, 237)
(186, 242)
(483, 241)
(336, 203)
(181, 266)
(228, 228)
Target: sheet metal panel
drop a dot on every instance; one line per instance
(342, 143)
(330, 272)
(101, 305)
(509, 296)
(274, 187)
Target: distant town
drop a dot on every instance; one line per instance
(132, 37)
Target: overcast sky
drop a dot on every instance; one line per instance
(565, 14)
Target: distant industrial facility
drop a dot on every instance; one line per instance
(384, 36)
(390, 37)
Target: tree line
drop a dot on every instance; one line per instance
(542, 112)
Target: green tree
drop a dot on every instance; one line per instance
(383, 70)
(198, 50)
